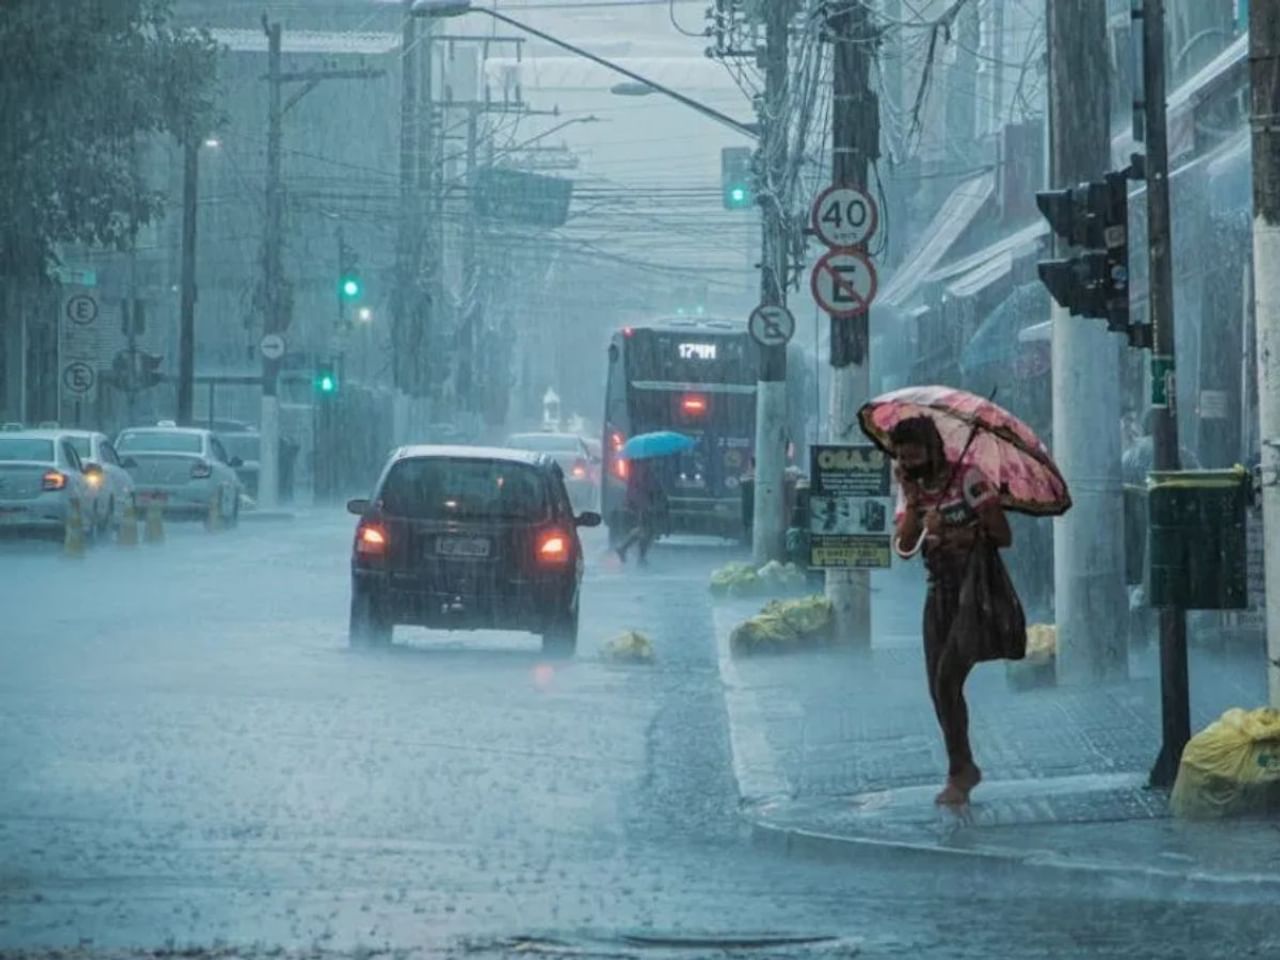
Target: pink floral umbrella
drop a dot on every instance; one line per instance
(978, 433)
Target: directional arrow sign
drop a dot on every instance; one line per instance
(271, 346)
(844, 283)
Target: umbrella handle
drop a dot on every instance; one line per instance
(908, 554)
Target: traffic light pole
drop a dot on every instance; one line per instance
(768, 532)
(855, 143)
(1090, 599)
(1264, 65)
(1174, 695)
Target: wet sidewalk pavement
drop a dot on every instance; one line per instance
(840, 750)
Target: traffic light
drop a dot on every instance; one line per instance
(350, 287)
(736, 178)
(1095, 282)
(326, 380)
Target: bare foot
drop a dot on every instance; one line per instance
(956, 792)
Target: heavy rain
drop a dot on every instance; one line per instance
(639, 479)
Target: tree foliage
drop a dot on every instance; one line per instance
(84, 82)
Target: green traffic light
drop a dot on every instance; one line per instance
(350, 288)
(738, 194)
(327, 383)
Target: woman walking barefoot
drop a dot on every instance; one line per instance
(950, 510)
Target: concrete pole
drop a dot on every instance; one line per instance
(272, 281)
(1090, 600)
(855, 143)
(770, 523)
(1264, 66)
(187, 320)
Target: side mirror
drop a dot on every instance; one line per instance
(235, 462)
(588, 518)
(359, 507)
(129, 463)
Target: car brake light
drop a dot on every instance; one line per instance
(201, 469)
(553, 548)
(371, 540)
(579, 469)
(620, 468)
(53, 480)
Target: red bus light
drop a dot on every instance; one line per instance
(620, 468)
(694, 404)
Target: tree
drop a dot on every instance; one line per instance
(84, 81)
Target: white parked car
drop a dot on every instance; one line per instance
(107, 474)
(575, 461)
(188, 466)
(40, 475)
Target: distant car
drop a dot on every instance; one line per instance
(107, 474)
(468, 538)
(571, 453)
(40, 475)
(188, 466)
(247, 446)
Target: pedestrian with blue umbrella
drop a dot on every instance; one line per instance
(646, 498)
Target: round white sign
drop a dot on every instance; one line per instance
(844, 283)
(271, 346)
(844, 217)
(771, 325)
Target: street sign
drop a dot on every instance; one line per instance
(844, 217)
(82, 309)
(78, 378)
(771, 325)
(271, 346)
(850, 507)
(844, 282)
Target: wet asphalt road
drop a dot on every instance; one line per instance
(192, 757)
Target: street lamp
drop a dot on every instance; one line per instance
(439, 9)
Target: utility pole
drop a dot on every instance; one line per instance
(467, 379)
(1264, 67)
(1090, 600)
(996, 52)
(769, 521)
(274, 320)
(1174, 694)
(855, 145)
(187, 327)
(408, 236)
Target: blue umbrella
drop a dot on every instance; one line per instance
(662, 443)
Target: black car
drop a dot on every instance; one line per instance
(466, 538)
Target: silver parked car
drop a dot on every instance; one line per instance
(107, 475)
(188, 466)
(40, 475)
(574, 458)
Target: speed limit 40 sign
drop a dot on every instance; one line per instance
(844, 217)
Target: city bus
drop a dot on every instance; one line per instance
(696, 377)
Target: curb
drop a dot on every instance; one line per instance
(1044, 865)
(760, 783)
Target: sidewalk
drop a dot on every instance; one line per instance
(841, 750)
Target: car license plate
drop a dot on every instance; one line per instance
(462, 548)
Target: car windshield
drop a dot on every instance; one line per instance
(443, 488)
(242, 445)
(543, 442)
(148, 441)
(80, 445)
(24, 448)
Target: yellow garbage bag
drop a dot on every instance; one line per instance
(1042, 641)
(783, 626)
(735, 580)
(630, 647)
(1231, 767)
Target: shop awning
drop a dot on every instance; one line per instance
(957, 213)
